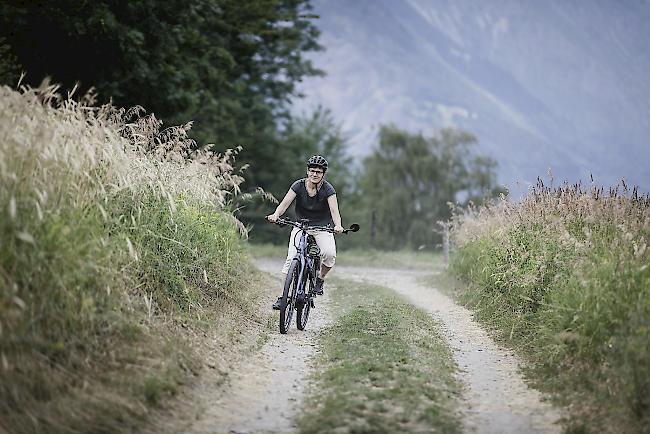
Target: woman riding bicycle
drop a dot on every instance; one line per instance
(316, 202)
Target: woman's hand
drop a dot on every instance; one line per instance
(272, 217)
(338, 229)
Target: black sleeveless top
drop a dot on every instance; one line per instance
(315, 209)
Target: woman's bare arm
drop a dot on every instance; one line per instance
(334, 210)
(282, 206)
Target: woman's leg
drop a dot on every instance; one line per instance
(291, 253)
(327, 245)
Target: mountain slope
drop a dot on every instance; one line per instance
(552, 84)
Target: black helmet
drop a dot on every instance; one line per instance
(317, 160)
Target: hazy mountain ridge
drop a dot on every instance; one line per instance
(546, 85)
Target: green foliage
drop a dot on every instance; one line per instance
(301, 137)
(409, 180)
(9, 65)
(564, 276)
(231, 66)
(105, 244)
(185, 257)
(62, 301)
(42, 306)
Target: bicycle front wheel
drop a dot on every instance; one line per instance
(288, 301)
(304, 308)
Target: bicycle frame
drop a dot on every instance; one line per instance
(306, 262)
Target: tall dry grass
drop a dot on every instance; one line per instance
(565, 276)
(109, 226)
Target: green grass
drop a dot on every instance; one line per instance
(119, 267)
(405, 259)
(384, 368)
(88, 359)
(564, 278)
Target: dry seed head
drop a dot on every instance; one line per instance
(12, 208)
(26, 237)
(132, 252)
(79, 154)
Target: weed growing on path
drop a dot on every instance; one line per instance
(384, 368)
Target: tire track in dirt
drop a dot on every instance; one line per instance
(265, 390)
(497, 399)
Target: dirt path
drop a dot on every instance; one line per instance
(262, 391)
(498, 399)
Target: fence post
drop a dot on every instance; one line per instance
(445, 226)
(445, 242)
(373, 228)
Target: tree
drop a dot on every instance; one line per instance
(409, 180)
(229, 65)
(301, 137)
(9, 65)
(318, 133)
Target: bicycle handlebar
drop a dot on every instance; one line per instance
(304, 225)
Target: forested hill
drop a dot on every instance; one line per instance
(547, 84)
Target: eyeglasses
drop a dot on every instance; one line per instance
(315, 172)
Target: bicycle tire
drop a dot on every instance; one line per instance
(302, 311)
(288, 301)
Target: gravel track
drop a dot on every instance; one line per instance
(497, 399)
(262, 392)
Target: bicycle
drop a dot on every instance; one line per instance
(303, 271)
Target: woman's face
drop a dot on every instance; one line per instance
(315, 174)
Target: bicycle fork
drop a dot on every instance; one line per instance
(312, 273)
(302, 282)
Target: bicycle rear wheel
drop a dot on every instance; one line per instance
(288, 301)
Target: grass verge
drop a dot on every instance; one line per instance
(563, 277)
(119, 263)
(384, 368)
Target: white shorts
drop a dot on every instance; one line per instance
(325, 241)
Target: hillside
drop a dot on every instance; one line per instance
(551, 84)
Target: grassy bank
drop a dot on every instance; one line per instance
(383, 368)
(116, 252)
(564, 277)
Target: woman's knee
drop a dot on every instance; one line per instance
(328, 257)
(327, 248)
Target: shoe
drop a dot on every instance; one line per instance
(320, 283)
(276, 305)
